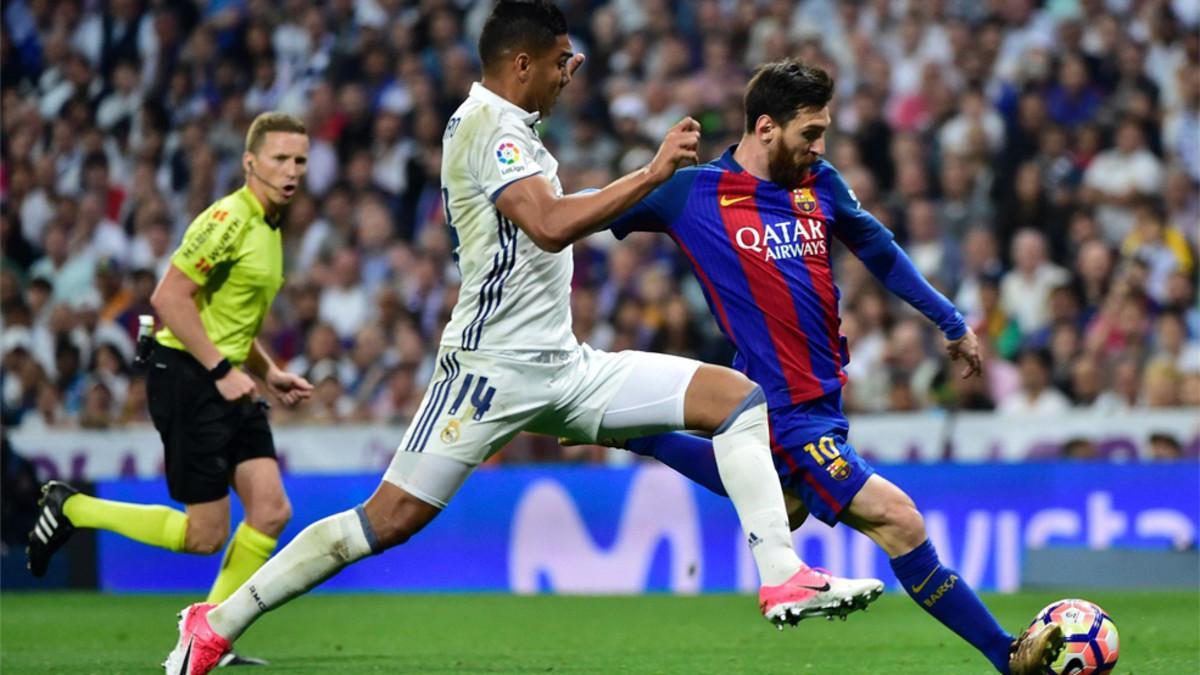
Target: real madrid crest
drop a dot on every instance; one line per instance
(450, 434)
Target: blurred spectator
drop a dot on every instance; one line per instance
(976, 118)
(1087, 382)
(328, 404)
(964, 196)
(122, 103)
(1080, 448)
(1025, 290)
(68, 273)
(1031, 207)
(935, 254)
(1122, 392)
(344, 301)
(1094, 269)
(1037, 394)
(322, 346)
(1165, 447)
(1117, 177)
(1042, 169)
(1073, 99)
(980, 262)
(368, 366)
(1160, 384)
(1181, 125)
(1162, 248)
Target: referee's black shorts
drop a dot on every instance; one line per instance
(204, 436)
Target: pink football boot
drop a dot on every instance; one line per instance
(200, 649)
(810, 592)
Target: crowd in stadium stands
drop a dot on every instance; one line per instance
(1040, 163)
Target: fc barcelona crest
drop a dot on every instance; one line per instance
(839, 469)
(805, 200)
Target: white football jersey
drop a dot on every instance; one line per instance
(514, 295)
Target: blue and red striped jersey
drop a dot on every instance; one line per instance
(763, 257)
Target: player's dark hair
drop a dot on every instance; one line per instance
(531, 26)
(782, 89)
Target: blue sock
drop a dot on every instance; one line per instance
(690, 455)
(940, 591)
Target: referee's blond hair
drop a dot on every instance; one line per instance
(267, 122)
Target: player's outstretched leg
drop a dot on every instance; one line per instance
(690, 455)
(791, 591)
(64, 509)
(887, 515)
(320, 551)
(809, 593)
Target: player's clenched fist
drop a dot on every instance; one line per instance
(680, 146)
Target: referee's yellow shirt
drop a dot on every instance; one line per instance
(237, 259)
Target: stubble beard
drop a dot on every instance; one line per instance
(784, 171)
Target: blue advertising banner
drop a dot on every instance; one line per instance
(647, 529)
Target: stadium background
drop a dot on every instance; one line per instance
(1039, 161)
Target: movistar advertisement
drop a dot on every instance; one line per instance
(646, 529)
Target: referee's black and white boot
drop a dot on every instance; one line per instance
(52, 528)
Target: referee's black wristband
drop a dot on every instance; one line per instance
(220, 370)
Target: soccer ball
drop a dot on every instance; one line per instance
(1091, 637)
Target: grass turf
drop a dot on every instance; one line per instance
(328, 633)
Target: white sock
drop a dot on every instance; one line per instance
(743, 453)
(317, 553)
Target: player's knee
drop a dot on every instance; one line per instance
(272, 517)
(732, 393)
(714, 396)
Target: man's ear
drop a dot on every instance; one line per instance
(765, 128)
(524, 66)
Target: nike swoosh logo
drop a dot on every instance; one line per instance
(727, 201)
(187, 657)
(918, 587)
(820, 589)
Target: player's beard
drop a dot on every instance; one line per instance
(783, 167)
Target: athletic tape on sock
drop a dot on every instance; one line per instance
(368, 531)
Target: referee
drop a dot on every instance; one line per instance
(212, 300)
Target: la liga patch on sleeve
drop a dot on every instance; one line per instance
(509, 157)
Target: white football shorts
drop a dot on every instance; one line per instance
(477, 401)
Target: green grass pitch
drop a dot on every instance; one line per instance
(330, 633)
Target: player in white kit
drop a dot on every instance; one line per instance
(508, 361)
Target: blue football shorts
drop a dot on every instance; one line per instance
(813, 457)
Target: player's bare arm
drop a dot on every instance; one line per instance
(174, 300)
(554, 222)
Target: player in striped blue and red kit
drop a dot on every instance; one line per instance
(758, 226)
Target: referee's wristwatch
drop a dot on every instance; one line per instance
(220, 370)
